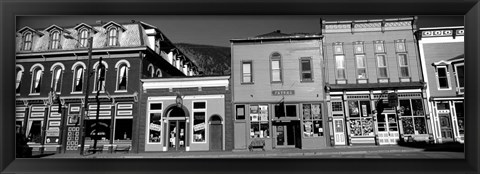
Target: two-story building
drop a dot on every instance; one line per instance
(48, 63)
(442, 57)
(276, 94)
(365, 60)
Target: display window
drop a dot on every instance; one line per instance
(154, 123)
(240, 112)
(34, 131)
(288, 110)
(123, 130)
(413, 116)
(199, 115)
(312, 120)
(459, 110)
(102, 128)
(259, 125)
(361, 123)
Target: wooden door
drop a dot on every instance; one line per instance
(216, 136)
(446, 127)
(339, 131)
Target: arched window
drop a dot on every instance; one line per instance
(122, 77)
(83, 35)
(150, 70)
(57, 78)
(112, 36)
(37, 80)
(27, 41)
(55, 40)
(276, 67)
(100, 76)
(158, 73)
(78, 79)
(18, 82)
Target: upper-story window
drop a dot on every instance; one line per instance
(382, 66)
(112, 39)
(122, 75)
(276, 67)
(443, 79)
(360, 60)
(27, 41)
(100, 76)
(55, 39)
(460, 76)
(37, 74)
(401, 50)
(78, 71)
(247, 75)
(18, 80)
(150, 70)
(306, 69)
(57, 78)
(339, 60)
(83, 35)
(158, 73)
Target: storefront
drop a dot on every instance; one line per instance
(189, 118)
(449, 119)
(355, 120)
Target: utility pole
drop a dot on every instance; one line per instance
(85, 103)
(100, 79)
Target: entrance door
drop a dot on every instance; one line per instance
(339, 132)
(387, 129)
(176, 136)
(216, 136)
(446, 127)
(286, 135)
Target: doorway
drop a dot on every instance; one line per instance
(387, 129)
(446, 127)
(216, 135)
(339, 131)
(287, 135)
(176, 135)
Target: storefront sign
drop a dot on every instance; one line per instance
(53, 133)
(155, 127)
(283, 92)
(198, 127)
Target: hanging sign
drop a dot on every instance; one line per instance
(198, 127)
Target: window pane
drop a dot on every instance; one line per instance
(339, 61)
(405, 108)
(317, 128)
(254, 130)
(240, 112)
(417, 107)
(308, 128)
(102, 130)
(78, 79)
(360, 61)
(353, 109)
(199, 105)
(246, 68)
(155, 106)
(337, 106)
(306, 76)
(443, 106)
(407, 123)
(276, 75)
(365, 108)
(264, 130)
(460, 75)
(199, 127)
(442, 72)
(362, 73)
(306, 65)
(459, 110)
(381, 60)
(307, 115)
(247, 78)
(341, 73)
(123, 129)
(316, 111)
(275, 64)
(383, 72)
(443, 82)
(404, 71)
(155, 127)
(291, 110)
(263, 113)
(35, 133)
(420, 125)
(403, 59)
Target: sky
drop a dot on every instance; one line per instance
(218, 30)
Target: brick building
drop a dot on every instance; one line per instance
(276, 91)
(48, 63)
(365, 60)
(442, 56)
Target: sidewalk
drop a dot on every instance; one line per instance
(276, 153)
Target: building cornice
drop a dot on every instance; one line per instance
(186, 82)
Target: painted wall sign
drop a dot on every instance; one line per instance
(283, 92)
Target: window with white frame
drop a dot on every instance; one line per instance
(100, 76)
(18, 79)
(340, 66)
(122, 77)
(123, 129)
(247, 76)
(361, 67)
(361, 122)
(443, 79)
(382, 66)
(460, 113)
(150, 70)
(240, 112)
(154, 120)
(158, 73)
(199, 115)
(460, 77)
(27, 41)
(306, 69)
(259, 126)
(412, 116)
(57, 79)
(55, 39)
(112, 39)
(37, 80)
(83, 35)
(276, 67)
(312, 120)
(403, 63)
(78, 79)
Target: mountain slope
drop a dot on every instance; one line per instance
(211, 60)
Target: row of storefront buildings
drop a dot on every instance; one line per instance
(297, 90)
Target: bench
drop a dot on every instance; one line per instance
(98, 149)
(125, 149)
(257, 143)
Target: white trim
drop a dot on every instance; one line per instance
(448, 78)
(184, 83)
(21, 67)
(118, 75)
(448, 39)
(122, 61)
(458, 88)
(152, 68)
(57, 64)
(78, 63)
(436, 28)
(204, 110)
(35, 66)
(409, 90)
(452, 98)
(357, 92)
(189, 97)
(147, 130)
(95, 65)
(336, 93)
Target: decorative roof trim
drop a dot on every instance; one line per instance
(114, 23)
(48, 29)
(79, 26)
(30, 29)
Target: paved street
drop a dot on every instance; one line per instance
(334, 152)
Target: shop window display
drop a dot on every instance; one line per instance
(123, 129)
(198, 126)
(312, 120)
(34, 131)
(459, 110)
(361, 123)
(240, 112)
(155, 123)
(103, 129)
(412, 116)
(259, 126)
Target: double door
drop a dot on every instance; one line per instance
(287, 135)
(388, 129)
(176, 135)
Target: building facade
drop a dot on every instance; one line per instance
(48, 64)
(366, 60)
(442, 56)
(276, 91)
(185, 114)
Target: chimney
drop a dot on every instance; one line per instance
(278, 31)
(99, 22)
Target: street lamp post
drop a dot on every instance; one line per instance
(86, 89)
